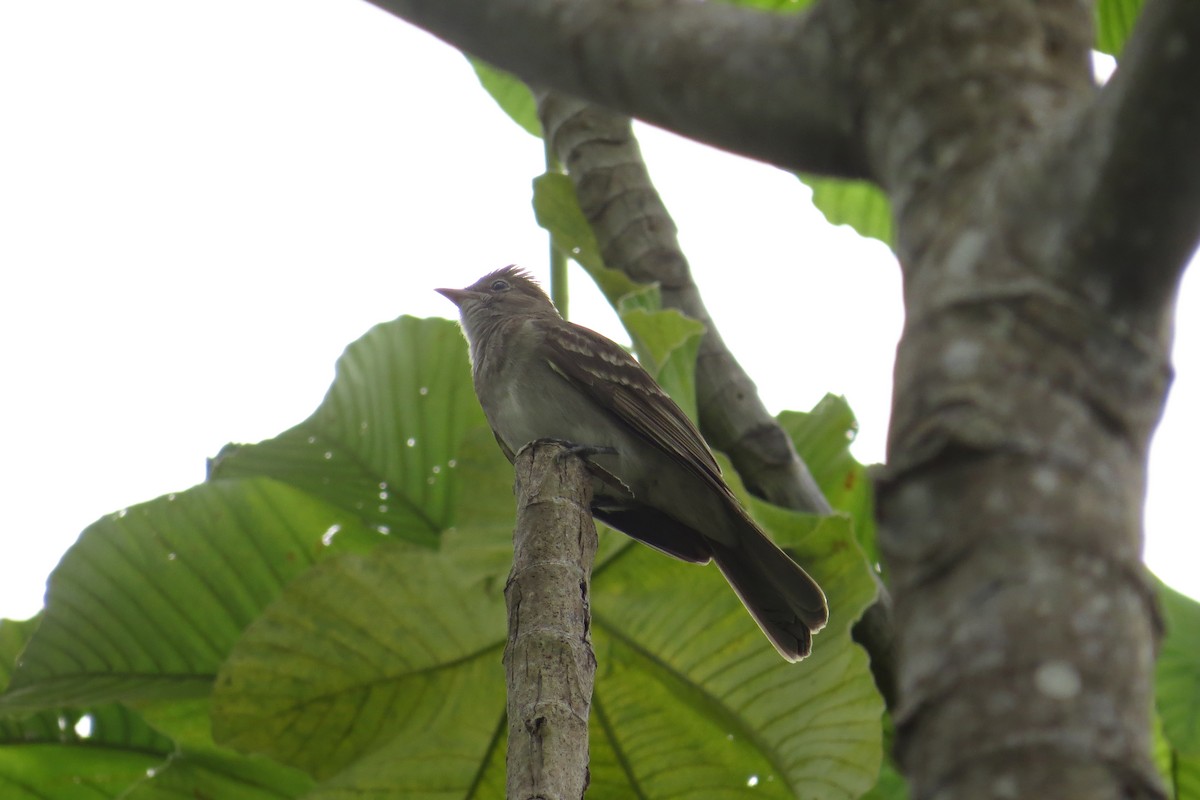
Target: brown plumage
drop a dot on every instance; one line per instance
(540, 377)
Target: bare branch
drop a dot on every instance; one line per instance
(753, 82)
(1135, 156)
(548, 661)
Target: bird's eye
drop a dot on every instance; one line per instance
(499, 285)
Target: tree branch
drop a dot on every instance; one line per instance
(548, 661)
(1135, 160)
(757, 83)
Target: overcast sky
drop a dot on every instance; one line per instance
(201, 205)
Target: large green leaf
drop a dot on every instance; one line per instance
(377, 670)
(393, 652)
(383, 443)
(213, 774)
(101, 750)
(1177, 680)
(691, 702)
(382, 674)
(111, 751)
(150, 600)
(93, 753)
(198, 767)
(52, 772)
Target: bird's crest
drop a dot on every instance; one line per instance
(512, 271)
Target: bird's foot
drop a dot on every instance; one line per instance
(584, 451)
(609, 484)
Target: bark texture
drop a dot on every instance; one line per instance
(1025, 396)
(548, 661)
(1042, 227)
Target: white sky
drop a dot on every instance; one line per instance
(201, 205)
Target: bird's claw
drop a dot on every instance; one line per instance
(584, 451)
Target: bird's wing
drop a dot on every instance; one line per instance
(616, 382)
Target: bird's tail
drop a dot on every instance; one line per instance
(786, 603)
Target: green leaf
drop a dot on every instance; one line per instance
(199, 768)
(691, 701)
(54, 772)
(644, 297)
(511, 94)
(393, 651)
(121, 756)
(890, 786)
(859, 204)
(14, 635)
(480, 541)
(71, 752)
(1177, 680)
(214, 774)
(823, 437)
(667, 343)
(48, 726)
(382, 674)
(150, 600)
(435, 764)
(1185, 778)
(1114, 23)
(556, 208)
(384, 443)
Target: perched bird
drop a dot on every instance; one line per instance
(538, 376)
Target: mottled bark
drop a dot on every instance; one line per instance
(548, 661)
(1025, 396)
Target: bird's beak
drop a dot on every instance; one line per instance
(456, 296)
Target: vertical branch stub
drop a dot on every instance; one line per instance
(548, 660)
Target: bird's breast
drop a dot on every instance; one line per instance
(531, 401)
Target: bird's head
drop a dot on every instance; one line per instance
(509, 291)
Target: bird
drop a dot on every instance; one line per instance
(538, 376)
